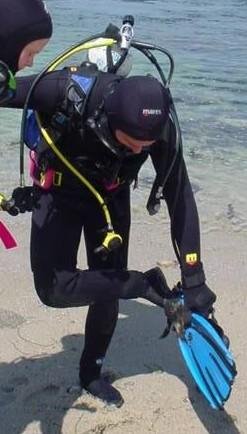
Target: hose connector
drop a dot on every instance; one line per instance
(127, 32)
(111, 242)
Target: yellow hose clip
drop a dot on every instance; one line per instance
(111, 242)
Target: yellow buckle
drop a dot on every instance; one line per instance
(57, 179)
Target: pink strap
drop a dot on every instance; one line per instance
(6, 237)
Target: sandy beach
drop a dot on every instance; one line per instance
(40, 347)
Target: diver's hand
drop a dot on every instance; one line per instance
(199, 299)
(197, 295)
(22, 200)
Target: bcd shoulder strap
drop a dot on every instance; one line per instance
(81, 81)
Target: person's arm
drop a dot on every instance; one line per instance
(48, 94)
(183, 213)
(179, 197)
(46, 97)
(185, 228)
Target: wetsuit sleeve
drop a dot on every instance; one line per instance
(47, 95)
(183, 213)
(182, 209)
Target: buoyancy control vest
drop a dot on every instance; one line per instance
(81, 131)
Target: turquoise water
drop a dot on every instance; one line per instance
(208, 42)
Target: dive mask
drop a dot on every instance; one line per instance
(98, 123)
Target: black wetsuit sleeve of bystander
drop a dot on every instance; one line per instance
(48, 94)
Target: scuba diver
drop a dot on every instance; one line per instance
(25, 29)
(89, 132)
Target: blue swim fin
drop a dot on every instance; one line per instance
(208, 359)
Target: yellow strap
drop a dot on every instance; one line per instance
(57, 179)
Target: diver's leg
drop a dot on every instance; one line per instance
(102, 317)
(55, 237)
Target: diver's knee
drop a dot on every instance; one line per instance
(47, 297)
(46, 290)
(43, 296)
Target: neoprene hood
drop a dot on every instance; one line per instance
(21, 22)
(139, 106)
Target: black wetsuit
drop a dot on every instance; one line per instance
(62, 213)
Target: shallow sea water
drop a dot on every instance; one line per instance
(208, 42)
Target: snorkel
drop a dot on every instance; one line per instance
(109, 38)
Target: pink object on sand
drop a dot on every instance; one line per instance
(6, 237)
